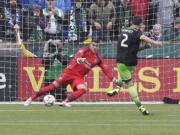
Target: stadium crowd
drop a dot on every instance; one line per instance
(55, 22)
(77, 20)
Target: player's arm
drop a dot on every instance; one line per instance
(109, 75)
(150, 41)
(107, 72)
(104, 69)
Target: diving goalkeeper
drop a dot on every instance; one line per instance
(84, 60)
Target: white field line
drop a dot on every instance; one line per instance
(78, 110)
(135, 123)
(89, 103)
(92, 121)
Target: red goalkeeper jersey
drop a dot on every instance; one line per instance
(92, 60)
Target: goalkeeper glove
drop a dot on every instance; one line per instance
(80, 60)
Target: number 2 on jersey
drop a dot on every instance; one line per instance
(124, 40)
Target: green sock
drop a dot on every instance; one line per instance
(134, 95)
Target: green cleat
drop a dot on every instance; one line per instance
(113, 92)
(143, 110)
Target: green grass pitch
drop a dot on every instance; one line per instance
(89, 120)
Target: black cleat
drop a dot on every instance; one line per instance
(113, 92)
(143, 110)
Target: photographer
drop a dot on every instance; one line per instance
(55, 59)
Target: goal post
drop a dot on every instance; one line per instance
(157, 74)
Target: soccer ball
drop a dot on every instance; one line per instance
(49, 100)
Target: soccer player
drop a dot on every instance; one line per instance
(128, 47)
(83, 61)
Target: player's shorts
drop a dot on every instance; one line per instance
(125, 71)
(68, 77)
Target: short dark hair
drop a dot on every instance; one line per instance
(136, 20)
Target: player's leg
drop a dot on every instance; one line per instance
(79, 88)
(125, 74)
(55, 84)
(43, 91)
(131, 88)
(122, 71)
(134, 96)
(116, 90)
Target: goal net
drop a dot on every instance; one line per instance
(51, 31)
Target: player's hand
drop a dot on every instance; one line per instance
(80, 60)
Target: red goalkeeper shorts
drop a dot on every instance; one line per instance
(67, 77)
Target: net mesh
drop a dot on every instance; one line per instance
(52, 31)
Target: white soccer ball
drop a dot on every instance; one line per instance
(49, 100)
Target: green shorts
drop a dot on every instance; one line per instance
(125, 71)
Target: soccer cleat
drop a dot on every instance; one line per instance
(65, 104)
(28, 102)
(143, 110)
(113, 92)
(119, 83)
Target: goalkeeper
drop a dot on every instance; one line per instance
(128, 47)
(83, 61)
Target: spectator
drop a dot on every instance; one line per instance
(35, 24)
(166, 17)
(139, 8)
(12, 15)
(102, 17)
(177, 21)
(87, 3)
(124, 15)
(53, 51)
(177, 28)
(77, 22)
(2, 32)
(155, 33)
(53, 18)
(151, 17)
(28, 4)
(65, 5)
